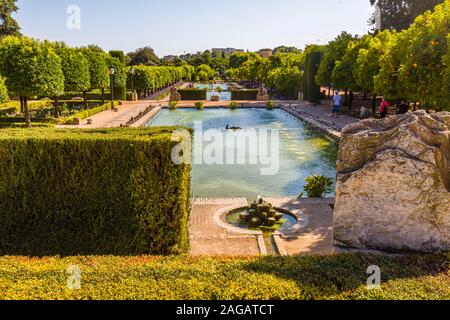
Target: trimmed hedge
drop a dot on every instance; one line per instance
(110, 191)
(251, 94)
(23, 125)
(193, 94)
(86, 113)
(330, 277)
(9, 120)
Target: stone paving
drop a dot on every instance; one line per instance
(211, 239)
(210, 236)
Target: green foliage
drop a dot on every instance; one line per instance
(71, 192)
(98, 67)
(31, 68)
(144, 56)
(333, 52)
(269, 105)
(233, 105)
(199, 105)
(3, 90)
(311, 91)
(367, 64)
(75, 67)
(204, 72)
(342, 75)
(317, 186)
(193, 94)
(9, 26)
(173, 105)
(323, 277)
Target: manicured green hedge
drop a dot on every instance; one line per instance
(9, 120)
(86, 113)
(192, 94)
(23, 125)
(333, 277)
(110, 191)
(244, 94)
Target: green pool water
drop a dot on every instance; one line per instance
(302, 152)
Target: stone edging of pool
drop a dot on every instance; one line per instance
(302, 221)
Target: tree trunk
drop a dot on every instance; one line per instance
(103, 96)
(27, 113)
(346, 98)
(374, 104)
(21, 105)
(85, 100)
(56, 106)
(329, 91)
(351, 98)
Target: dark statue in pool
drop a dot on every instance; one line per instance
(261, 214)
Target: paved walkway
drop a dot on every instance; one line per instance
(208, 238)
(320, 117)
(112, 119)
(211, 236)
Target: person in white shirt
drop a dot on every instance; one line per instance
(337, 100)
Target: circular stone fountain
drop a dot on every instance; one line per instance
(262, 216)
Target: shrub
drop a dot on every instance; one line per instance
(86, 113)
(199, 105)
(269, 105)
(192, 94)
(173, 105)
(251, 94)
(317, 186)
(233, 105)
(109, 191)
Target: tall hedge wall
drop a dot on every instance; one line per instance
(244, 94)
(71, 192)
(192, 94)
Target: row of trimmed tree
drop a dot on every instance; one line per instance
(411, 65)
(36, 69)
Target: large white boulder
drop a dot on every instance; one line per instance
(393, 184)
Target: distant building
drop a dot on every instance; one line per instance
(265, 53)
(170, 58)
(225, 51)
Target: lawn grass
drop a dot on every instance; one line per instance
(161, 278)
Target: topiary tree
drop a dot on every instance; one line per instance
(75, 67)
(31, 69)
(98, 68)
(120, 78)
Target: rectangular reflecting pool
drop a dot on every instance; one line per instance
(221, 90)
(301, 152)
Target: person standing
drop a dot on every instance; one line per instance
(337, 101)
(384, 108)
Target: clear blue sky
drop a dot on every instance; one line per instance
(178, 26)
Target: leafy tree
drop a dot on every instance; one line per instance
(31, 69)
(119, 78)
(446, 85)
(285, 49)
(8, 25)
(400, 14)
(204, 72)
(98, 68)
(237, 59)
(75, 67)
(143, 56)
(342, 76)
(333, 52)
(413, 67)
(368, 63)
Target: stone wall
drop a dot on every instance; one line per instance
(393, 188)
